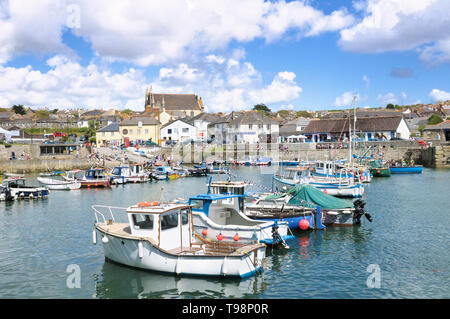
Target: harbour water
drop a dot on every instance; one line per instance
(407, 241)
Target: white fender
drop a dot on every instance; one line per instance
(94, 237)
(224, 266)
(105, 240)
(178, 266)
(141, 249)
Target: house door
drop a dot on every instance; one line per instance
(269, 138)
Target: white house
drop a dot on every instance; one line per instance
(201, 122)
(248, 127)
(178, 130)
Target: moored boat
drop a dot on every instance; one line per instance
(159, 237)
(18, 188)
(59, 184)
(415, 169)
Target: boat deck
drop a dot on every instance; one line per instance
(207, 247)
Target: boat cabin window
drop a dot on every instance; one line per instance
(184, 216)
(17, 183)
(116, 171)
(142, 221)
(169, 221)
(198, 204)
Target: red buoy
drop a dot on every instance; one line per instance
(303, 224)
(220, 237)
(378, 171)
(236, 237)
(204, 232)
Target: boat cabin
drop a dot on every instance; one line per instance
(14, 182)
(225, 187)
(121, 171)
(223, 209)
(168, 224)
(95, 173)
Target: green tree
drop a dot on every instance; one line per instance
(390, 106)
(434, 119)
(43, 114)
(303, 114)
(19, 109)
(261, 107)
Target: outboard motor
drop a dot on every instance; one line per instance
(276, 237)
(8, 196)
(360, 211)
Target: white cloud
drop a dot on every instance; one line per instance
(68, 84)
(438, 95)
(156, 32)
(345, 99)
(389, 98)
(366, 80)
(397, 25)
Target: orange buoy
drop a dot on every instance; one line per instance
(303, 224)
(220, 237)
(236, 237)
(204, 232)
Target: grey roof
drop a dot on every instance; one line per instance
(185, 120)
(146, 120)
(207, 117)
(113, 127)
(364, 124)
(252, 117)
(440, 126)
(174, 102)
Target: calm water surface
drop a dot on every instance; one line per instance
(408, 240)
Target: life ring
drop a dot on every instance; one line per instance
(148, 204)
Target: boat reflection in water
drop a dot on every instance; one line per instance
(117, 281)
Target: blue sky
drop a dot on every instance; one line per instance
(289, 55)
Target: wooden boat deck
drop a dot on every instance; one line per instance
(204, 245)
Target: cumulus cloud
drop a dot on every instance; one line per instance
(68, 84)
(439, 95)
(345, 99)
(388, 98)
(154, 32)
(397, 25)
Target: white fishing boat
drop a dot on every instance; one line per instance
(59, 184)
(18, 188)
(160, 237)
(128, 174)
(221, 215)
(342, 185)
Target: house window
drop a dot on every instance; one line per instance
(250, 126)
(260, 126)
(169, 131)
(146, 131)
(112, 133)
(131, 131)
(103, 133)
(268, 126)
(142, 221)
(185, 130)
(138, 131)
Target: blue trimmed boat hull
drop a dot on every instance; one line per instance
(406, 169)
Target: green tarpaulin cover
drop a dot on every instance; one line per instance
(309, 196)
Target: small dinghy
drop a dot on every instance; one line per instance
(160, 237)
(59, 184)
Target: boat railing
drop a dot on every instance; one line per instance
(106, 210)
